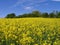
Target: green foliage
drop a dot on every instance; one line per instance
(35, 14)
(58, 14)
(45, 15)
(12, 15)
(52, 15)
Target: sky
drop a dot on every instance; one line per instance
(27, 6)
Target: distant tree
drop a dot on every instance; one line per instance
(12, 15)
(58, 15)
(33, 14)
(36, 14)
(24, 15)
(46, 15)
(52, 15)
(27, 15)
(30, 15)
(19, 16)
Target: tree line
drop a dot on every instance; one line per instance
(55, 14)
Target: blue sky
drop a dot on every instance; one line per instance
(25, 6)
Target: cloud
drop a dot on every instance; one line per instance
(56, 0)
(27, 8)
(19, 2)
(30, 2)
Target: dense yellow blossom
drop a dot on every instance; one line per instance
(30, 31)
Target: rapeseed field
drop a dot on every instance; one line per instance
(30, 31)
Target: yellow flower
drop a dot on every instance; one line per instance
(35, 44)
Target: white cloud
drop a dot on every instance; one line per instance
(27, 8)
(55, 0)
(31, 2)
(18, 3)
